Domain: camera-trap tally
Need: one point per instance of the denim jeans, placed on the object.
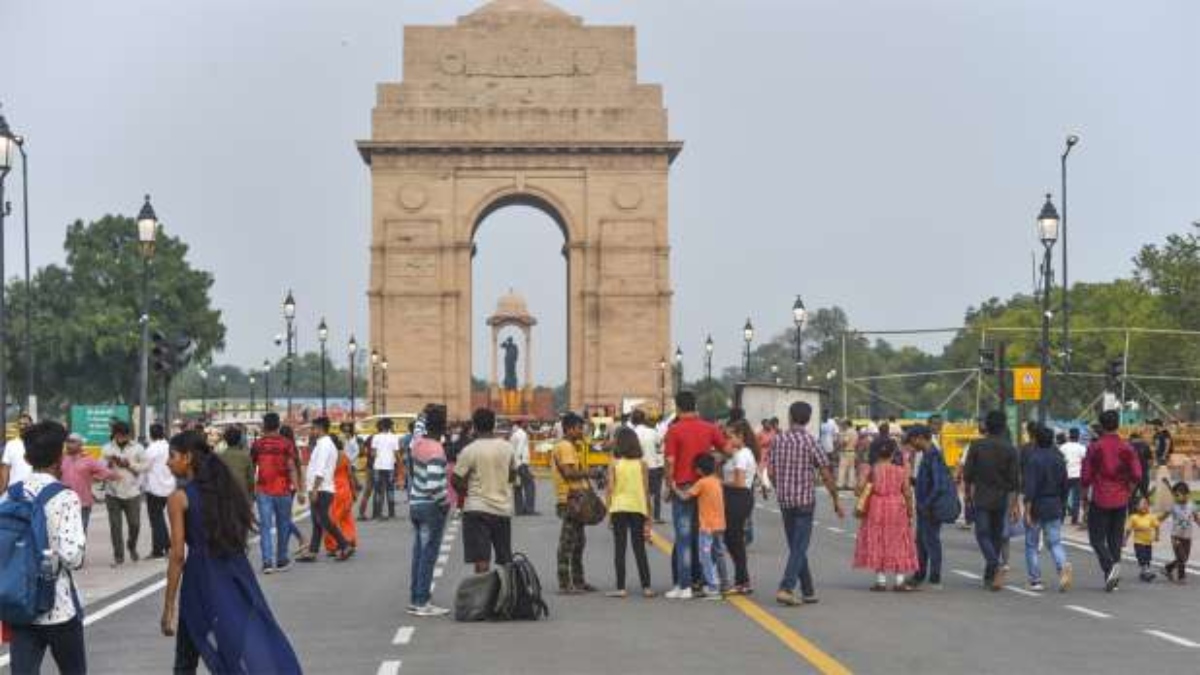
(683, 518)
(797, 526)
(929, 549)
(428, 520)
(275, 524)
(989, 533)
(1033, 535)
(385, 490)
(1074, 491)
(712, 560)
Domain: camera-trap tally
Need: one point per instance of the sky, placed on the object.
(887, 157)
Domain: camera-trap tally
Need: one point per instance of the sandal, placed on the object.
(878, 587)
(616, 594)
(649, 593)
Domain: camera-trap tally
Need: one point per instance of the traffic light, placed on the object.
(169, 356)
(987, 360)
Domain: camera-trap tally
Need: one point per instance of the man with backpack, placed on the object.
(1111, 470)
(41, 540)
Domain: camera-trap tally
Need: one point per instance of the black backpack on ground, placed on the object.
(476, 596)
(520, 594)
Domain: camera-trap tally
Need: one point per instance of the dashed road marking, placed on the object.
(403, 635)
(969, 575)
(1182, 642)
(437, 572)
(443, 559)
(1088, 612)
(389, 668)
(836, 529)
(1021, 591)
(448, 537)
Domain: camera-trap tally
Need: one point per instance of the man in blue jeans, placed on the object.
(990, 476)
(274, 458)
(933, 483)
(428, 506)
(1045, 490)
(793, 464)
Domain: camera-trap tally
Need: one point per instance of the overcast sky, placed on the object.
(888, 157)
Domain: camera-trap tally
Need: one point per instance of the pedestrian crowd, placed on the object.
(203, 501)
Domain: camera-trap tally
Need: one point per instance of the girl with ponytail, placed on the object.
(223, 616)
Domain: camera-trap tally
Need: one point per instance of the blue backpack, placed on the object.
(26, 589)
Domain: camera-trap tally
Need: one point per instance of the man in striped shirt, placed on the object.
(428, 507)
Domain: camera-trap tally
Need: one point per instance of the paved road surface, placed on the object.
(349, 618)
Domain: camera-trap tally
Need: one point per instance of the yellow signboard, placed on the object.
(1027, 384)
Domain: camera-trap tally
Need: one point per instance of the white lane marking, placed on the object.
(443, 559)
(1182, 642)
(1021, 591)
(445, 548)
(403, 635)
(121, 604)
(1088, 612)
(969, 575)
(448, 538)
(1129, 558)
(437, 572)
(836, 529)
(432, 586)
(389, 668)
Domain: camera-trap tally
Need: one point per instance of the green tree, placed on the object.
(85, 333)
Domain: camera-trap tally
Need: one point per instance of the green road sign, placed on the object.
(92, 421)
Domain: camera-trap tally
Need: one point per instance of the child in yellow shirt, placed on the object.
(1144, 527)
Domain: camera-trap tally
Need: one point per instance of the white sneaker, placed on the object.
(1114, 578)
(679, 594)
(431, 609)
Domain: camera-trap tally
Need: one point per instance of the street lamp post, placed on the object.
(147, 228)
(266, 386)
(252, 383)
(748, 337)
(1072, 140)
(322, 336)
(383, 376)
(775, 374)
(662, 388)
(678, 368)
(8, 145)
(352, 347)
(708, 354)
(203, 395)
(800, 318)
(289, 316)
(1048, 223)
(224, 395)
(374, 382)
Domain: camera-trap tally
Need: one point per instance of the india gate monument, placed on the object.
(520, 103)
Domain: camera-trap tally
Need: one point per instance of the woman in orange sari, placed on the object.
(342, 511)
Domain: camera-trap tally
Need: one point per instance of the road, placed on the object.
(349, 617)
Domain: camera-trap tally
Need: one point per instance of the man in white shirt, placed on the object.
(386, 446)
(525, 491)
(14, 468)
(651, 443)
(61, 628)
(159, 484)
(123, 494)
(828, 434)
(321, 488)
(1073, 453)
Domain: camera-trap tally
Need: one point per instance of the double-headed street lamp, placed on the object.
(800, 318)
(708, 354)
(289, 317)
(748, 337)
(322, 336)
(1047, 222)
(352, 348)
(147, 230)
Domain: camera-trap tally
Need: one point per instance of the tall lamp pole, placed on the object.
(383, 376)
(30, 398)
(352, 347)
(678, 368)
(252, 383)
(203, 395)
(224, 395)
(662, 388)
(799, 317)
(708, 354)
(747, 337)
(1047, 222)
(374, 382)
(289, 316)
(266, 386)
(322, 336)
(147, 227)
(8, 145)
(1072, 140)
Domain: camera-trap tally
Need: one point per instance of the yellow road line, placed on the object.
(824, 663)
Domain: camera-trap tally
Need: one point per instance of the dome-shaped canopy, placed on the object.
(539, 7)
(511, 309)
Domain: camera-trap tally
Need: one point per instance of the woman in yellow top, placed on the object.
(628, 507)
(1144, 526)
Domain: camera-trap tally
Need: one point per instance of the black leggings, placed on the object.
(738, 504)
(634, 524)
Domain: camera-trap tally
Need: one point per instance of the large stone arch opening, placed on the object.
(520, 103)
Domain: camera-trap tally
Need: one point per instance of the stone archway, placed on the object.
(520, 103)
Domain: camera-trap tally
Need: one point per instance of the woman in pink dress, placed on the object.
(885, 538)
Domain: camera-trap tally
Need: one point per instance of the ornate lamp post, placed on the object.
(374, 382)
(266, 386)
(147, 227)
(708, 354)
(383, 376)
(352, 348)
(8, 149)
(748, 337)
(322, 336)
(1047, 222)
(799, 317)
(289, 316)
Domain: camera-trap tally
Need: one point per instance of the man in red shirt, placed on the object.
(1111, 469)
(687, 438)
(274, 455)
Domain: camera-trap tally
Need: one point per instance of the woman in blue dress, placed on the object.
(222, 614)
